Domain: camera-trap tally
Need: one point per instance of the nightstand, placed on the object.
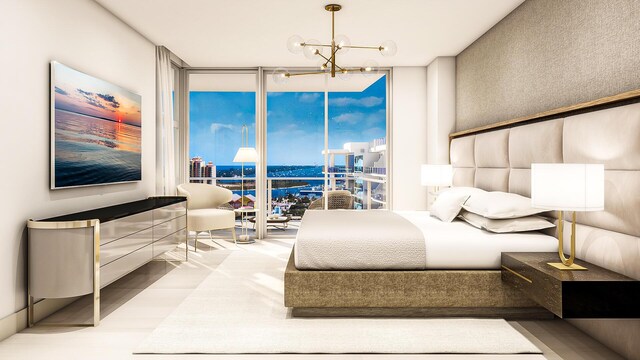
(595, 293)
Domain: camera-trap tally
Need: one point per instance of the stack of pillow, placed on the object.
(493, 211)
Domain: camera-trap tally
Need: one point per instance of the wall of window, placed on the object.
(312, 136)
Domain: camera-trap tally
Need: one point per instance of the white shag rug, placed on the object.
(239, 309)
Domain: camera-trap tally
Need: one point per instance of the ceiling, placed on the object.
(248, 83)
(248, 33)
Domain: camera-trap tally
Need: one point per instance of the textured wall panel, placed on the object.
(461, 152)
(492, 179)
(548, 54)
(464, 177)
(610, 137)
(491, 149)
(535, 143)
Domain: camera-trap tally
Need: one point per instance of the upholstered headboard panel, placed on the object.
(501, 161)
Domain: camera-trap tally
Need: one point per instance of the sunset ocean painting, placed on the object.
(97, 129)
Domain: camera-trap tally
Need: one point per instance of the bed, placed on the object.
(383, 263)
(403, 240)
(494, 159)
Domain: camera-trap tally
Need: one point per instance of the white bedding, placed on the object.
(358, 240)
(458, 245)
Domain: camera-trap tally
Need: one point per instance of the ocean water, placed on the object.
(90, 150)
(313, 189)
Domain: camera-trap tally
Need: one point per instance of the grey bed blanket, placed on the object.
(358, 240)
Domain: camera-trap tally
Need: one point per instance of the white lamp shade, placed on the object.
(246, 154)
(436, 175)
(568, 187)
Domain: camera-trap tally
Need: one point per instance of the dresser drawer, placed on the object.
(169, 242)
(124, 265)
(165, 213)
(123, 246)
(119, 228)
(169, 227)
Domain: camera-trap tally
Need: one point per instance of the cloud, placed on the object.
(90, 99)
(349, 118)
(110, 99)
(377, 118)
(308, 97)
(369, 101)
(60, 91)
(84, 93)
(215, 127)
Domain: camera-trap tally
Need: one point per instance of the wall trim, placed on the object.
(17, 321)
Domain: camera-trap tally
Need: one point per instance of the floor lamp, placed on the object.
(567, 187)
(244, 154)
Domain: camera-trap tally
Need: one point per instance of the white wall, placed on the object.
(409, 137)
(441, 109)
(83, 35)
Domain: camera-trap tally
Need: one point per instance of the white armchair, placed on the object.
(203, 214)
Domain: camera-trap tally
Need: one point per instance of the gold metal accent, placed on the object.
(561, 266)
(78, 224)
(363, 47)
(333, 7)
(566, 264)
(518, 274)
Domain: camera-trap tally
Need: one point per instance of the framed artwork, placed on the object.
(96, 130)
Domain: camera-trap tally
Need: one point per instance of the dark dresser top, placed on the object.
(118, 211)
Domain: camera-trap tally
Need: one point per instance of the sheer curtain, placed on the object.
(165, 149)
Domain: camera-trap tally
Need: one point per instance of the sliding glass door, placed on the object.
(295, 142)
(326, 136)
(220, 106)
(357, 128)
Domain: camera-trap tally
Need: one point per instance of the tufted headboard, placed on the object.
(501, 160)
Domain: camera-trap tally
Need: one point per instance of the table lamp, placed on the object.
(436, 175)
(567, 187)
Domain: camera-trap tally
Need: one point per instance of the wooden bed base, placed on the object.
(405, 293)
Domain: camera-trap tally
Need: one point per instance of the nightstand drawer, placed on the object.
(594, 293)
(540, 288)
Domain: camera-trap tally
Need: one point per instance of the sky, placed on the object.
(295, 123)
(84, 94)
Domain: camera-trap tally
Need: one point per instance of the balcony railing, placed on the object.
(363, 195)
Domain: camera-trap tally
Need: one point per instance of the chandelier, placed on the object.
(313, 49)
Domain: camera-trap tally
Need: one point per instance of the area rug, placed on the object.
(239, 309)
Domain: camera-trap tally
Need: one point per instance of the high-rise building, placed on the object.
(195, 169)
(210, 172)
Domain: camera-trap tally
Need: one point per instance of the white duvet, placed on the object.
(358, 240)
(386, 240)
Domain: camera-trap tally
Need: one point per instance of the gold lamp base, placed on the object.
(566, 264)
(561, 266)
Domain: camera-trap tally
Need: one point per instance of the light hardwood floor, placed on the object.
(134, 305)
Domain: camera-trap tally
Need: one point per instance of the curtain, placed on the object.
(165, 150)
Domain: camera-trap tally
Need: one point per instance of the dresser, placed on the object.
(78, 254)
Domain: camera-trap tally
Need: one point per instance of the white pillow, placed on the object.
(527, 223)
(463, 190)
(448, 205)
(500, 205)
